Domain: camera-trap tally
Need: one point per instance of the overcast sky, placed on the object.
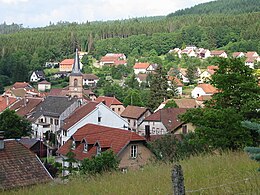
(39, 13)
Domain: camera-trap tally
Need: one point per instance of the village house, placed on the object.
(50, 114)
(203, 89)
(135, 115)
(113, 59)
(113, 103)
(90, 80)
(174, 81)
(238, 55)
(218, 53)
(51, 64)
(23, 107)
(203, 53)
(202, 99)
(22, 89)
(44, 86)
(37, 75)
(91, 140)
(164, 121)
(250, 62)
(92, 112)
(205, 76)
(19, 166)
(141, 67)
(36, 146)
(6, 102)
(67, 64)
(181, 103)
(141, 78)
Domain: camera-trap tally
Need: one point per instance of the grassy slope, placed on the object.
(234, 171)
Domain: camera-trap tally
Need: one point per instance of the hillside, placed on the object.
(229, 173)
(221, 7)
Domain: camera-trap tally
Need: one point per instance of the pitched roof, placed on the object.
(6, 101)
(107, 138)
(204, 97)
(142, 77)
(250, 60)
(108, 101)
(52, 106)
(251, 54)
(39, 73)
(44, 82)
(207, 88)
(78, 114)
(168, 116)
(28, 142)
(76, 66)
(186, 103)
(20, 167)
(58, 92)
(236, 54)
(26, 105)
(67, 62)
(134, 112)
(176, 81)
(90, 76)
(141, 65)
(217, 52)
(19, 85)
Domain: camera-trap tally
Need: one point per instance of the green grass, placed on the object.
(50, 71)
(229, 173)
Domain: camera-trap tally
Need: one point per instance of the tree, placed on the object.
(219, 128)
(13, 125)
(132, 82)
(133, 98)
(191, 73)
(237, 87)
(171, 104)
(158, 87)
(105, 162)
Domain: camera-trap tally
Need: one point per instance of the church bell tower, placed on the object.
(76, 79)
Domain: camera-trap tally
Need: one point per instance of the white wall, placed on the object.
(108, 118)
(137, 71)
(196, 92)
(156, 128)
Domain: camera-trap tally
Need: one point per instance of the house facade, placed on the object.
(37, 75)
(141, 68)
(44, 86)
(94, 113)
(90, 80)
(113, 59)
(203, 89)
(135, 116)
(113, 103)
(91, 140)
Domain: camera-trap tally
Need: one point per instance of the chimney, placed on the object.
(2, 144)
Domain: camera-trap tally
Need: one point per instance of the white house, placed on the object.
(44, 85)
(250, 62)
(95, 113)
(219, 53)
(141, 67)
(203, 89)
(90, 80)
(175, 82)
(37, 76)
(238, 55)
(203, 53)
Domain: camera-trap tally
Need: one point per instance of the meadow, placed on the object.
(227, 173)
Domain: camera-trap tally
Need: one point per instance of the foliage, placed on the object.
(13, 125)
(133, 98)
(237, 87)
(71, 168)
(171, 104)
(105, 162)
(219, 128)
(254, 152)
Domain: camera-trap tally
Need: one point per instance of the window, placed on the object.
(51, 121)
(113, 109)
(56, 121)
(85, 147)
(134, 123)
(98, 150)
(184, 129)
(73, 145)
(99, 119)
(75, 82)
(133, 151)
(119, 109)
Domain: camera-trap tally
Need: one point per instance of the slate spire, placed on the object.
(76, 65)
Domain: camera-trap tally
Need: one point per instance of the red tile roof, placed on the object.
(20, 167)
(236, 54)
(140, 65)
(168, 116)
(44, 82)
(108, 101)
(251, 54)
(176, 81)
(78, 114)
(212, 68)
(204, 97)
(26, 105)
(107, 138)
(217, 52)
(134, 112)
(142, 77)
(6, 101)
(186, 103)
(19, 85)
(67, 62)
(207, 88)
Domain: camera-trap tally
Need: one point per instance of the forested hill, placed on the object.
(221, 7)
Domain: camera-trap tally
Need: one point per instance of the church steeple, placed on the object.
(76, 65)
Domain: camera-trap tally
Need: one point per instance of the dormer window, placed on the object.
(73, 145)
(86, 147)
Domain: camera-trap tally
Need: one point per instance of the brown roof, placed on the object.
(176, 81)
(78, 114)
(236, 54)
(140, 65)
(250, 60)
(106, 137)
(90, 76)
(186, 103)
(134, 112)
(204, 97)
(108, 101)
(142, 77)
(26, 105)
(58, 92)
(207, 88)
(217, 52)
(6, 101)
(19, 85)
(251, 54)
(20, 167)
(168, 116)
(44, 82)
